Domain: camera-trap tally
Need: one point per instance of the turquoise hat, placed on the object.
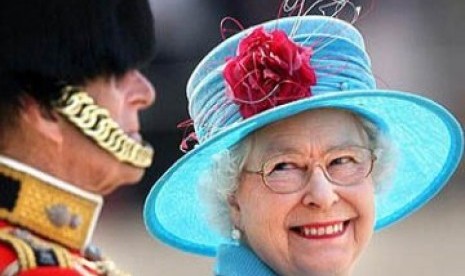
(428, 138)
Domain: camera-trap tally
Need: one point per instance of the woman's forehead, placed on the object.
(318, 129)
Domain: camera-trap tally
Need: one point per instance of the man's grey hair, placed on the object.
(222, 179)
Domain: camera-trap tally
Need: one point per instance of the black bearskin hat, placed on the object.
(45, 44)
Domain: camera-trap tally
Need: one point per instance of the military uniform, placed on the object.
(46, 225)
(55, 57)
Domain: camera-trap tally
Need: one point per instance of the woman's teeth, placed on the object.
(321, 231)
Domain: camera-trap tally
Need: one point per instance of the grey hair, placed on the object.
(221, 180)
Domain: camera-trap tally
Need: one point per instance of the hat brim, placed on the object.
(428, 138)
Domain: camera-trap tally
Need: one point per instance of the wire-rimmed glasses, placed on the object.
(343, 166)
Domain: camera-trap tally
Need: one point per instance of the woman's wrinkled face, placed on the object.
(320, 229)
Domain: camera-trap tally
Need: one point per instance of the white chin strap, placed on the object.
(95, 122)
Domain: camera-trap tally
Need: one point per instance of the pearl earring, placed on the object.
(235, 234)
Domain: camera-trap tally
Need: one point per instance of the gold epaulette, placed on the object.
(47, 206)
(62, 216)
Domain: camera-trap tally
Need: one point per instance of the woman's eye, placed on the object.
(342, 161)
(284, 166)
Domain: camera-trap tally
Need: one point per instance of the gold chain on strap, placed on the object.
(80, 109)
(24, 243)
(23, 251)
(11, 270)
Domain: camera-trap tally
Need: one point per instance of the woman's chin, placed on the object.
(308, 266)
(322, 255)
(333, 265)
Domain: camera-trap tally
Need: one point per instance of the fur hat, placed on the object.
(47, 44)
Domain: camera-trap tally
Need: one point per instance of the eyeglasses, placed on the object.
(289, 173)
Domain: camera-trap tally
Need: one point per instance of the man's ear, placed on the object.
(44, 121)
(235, 211)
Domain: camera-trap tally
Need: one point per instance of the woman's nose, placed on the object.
(319, 192)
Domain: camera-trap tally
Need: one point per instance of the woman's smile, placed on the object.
(327, 230)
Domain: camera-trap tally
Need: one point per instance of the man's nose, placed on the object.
(319, 192)
(142, 93)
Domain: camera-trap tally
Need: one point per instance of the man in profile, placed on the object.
(70, 93)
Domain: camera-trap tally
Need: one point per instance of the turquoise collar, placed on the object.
(239, 260)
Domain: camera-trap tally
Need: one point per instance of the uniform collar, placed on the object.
(235, 259)
(46, 205)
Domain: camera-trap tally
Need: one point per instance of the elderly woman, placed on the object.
(300, 156)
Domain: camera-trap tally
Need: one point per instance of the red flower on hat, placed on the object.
(269, 70)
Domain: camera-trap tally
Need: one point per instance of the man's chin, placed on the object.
(129, 176)
(134, 175)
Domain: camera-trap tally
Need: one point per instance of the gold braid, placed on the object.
(80, 109)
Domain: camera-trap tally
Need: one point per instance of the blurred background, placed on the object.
(415, 45)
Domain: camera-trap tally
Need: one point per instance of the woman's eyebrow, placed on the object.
(278, 147)
(346, 144)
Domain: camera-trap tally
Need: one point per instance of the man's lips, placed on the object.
(135, 135)
(321, 230)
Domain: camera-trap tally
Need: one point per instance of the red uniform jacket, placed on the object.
(45, 224)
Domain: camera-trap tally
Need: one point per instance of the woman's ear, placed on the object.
(43, 120)
(235, 211)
